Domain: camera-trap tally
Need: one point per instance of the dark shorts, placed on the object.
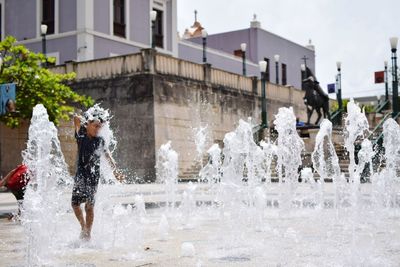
(83, 194)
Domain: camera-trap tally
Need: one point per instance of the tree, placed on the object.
(36, 84)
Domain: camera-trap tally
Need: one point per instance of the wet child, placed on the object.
(16, 181)
(90, 148)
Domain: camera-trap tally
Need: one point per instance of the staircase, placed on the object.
(376, 137)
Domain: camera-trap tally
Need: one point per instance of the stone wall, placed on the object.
(12, 142)
(130, 100)
(181, 106)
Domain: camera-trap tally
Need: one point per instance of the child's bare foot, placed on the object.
(85, 235)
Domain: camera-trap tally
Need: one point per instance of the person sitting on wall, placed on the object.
(299, 123)
(10, 106)
(16, 181)
(90, 148)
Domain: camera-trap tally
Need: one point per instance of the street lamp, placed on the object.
(243, 48)
(395, 89)
(43, 31)
(204, 35)
(263, 69)
(386, 81)
(276, 69)
(153, 16)
(303, 75)
(339, 84)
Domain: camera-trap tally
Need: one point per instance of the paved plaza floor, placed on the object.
(212, 236)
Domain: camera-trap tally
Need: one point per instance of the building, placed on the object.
(261, 45)
(82, 30)
(89, 29)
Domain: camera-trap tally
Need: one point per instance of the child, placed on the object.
(90, 148)
(16, 181)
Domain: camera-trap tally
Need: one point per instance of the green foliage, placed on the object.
(335, 105)
(369, 108)
(36, 84)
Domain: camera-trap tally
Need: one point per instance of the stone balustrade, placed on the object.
(150, 61)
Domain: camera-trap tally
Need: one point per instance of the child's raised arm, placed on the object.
(118, 175)
(77, 123)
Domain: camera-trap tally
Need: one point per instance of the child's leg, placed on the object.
(79, 215)
(89, 209)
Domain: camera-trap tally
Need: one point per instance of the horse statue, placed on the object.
(315, 98)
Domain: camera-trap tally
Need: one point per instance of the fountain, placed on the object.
(235, 214)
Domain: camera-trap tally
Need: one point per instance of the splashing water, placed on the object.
(238, 154)
(43, 203)
(356, 125)
(200, 139)
(51, 230)
(290, 145)
(247, 214)
(211, 172)
(324, 157)
(167, 170)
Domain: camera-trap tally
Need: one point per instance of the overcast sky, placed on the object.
(355, 32)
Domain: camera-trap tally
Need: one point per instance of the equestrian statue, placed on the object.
(315, 98)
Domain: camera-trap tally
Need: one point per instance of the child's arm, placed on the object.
(119, 176)
(111, 161)
(77, 123)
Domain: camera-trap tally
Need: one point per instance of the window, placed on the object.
(158, 31)
(48, 15)
(267, 73)
(284, 74)
(119, 18)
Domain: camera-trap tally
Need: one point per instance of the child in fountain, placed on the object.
(90, 147)
(16, 181)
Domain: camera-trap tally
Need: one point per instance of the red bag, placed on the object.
(19, 179)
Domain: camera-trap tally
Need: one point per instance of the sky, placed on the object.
(355, 32)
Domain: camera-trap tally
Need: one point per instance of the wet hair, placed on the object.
(96, 113)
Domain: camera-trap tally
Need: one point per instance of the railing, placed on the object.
(150, 61)
(231, 80)
(379, 139)
(100, 68)
(281, 93)
(382, 106)
(173, 66)
(336, 117)
(60, 69)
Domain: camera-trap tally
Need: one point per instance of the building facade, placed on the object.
(89, 29)
(260, 45)
(82, 30)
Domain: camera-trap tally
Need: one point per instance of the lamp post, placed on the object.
(263, 69)
(43, 31)
(204, 35)
(386, 81)
(276, 69)
(153, 16)
(303, 75)
(243, 48)
(395, 89)
(339, 84)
